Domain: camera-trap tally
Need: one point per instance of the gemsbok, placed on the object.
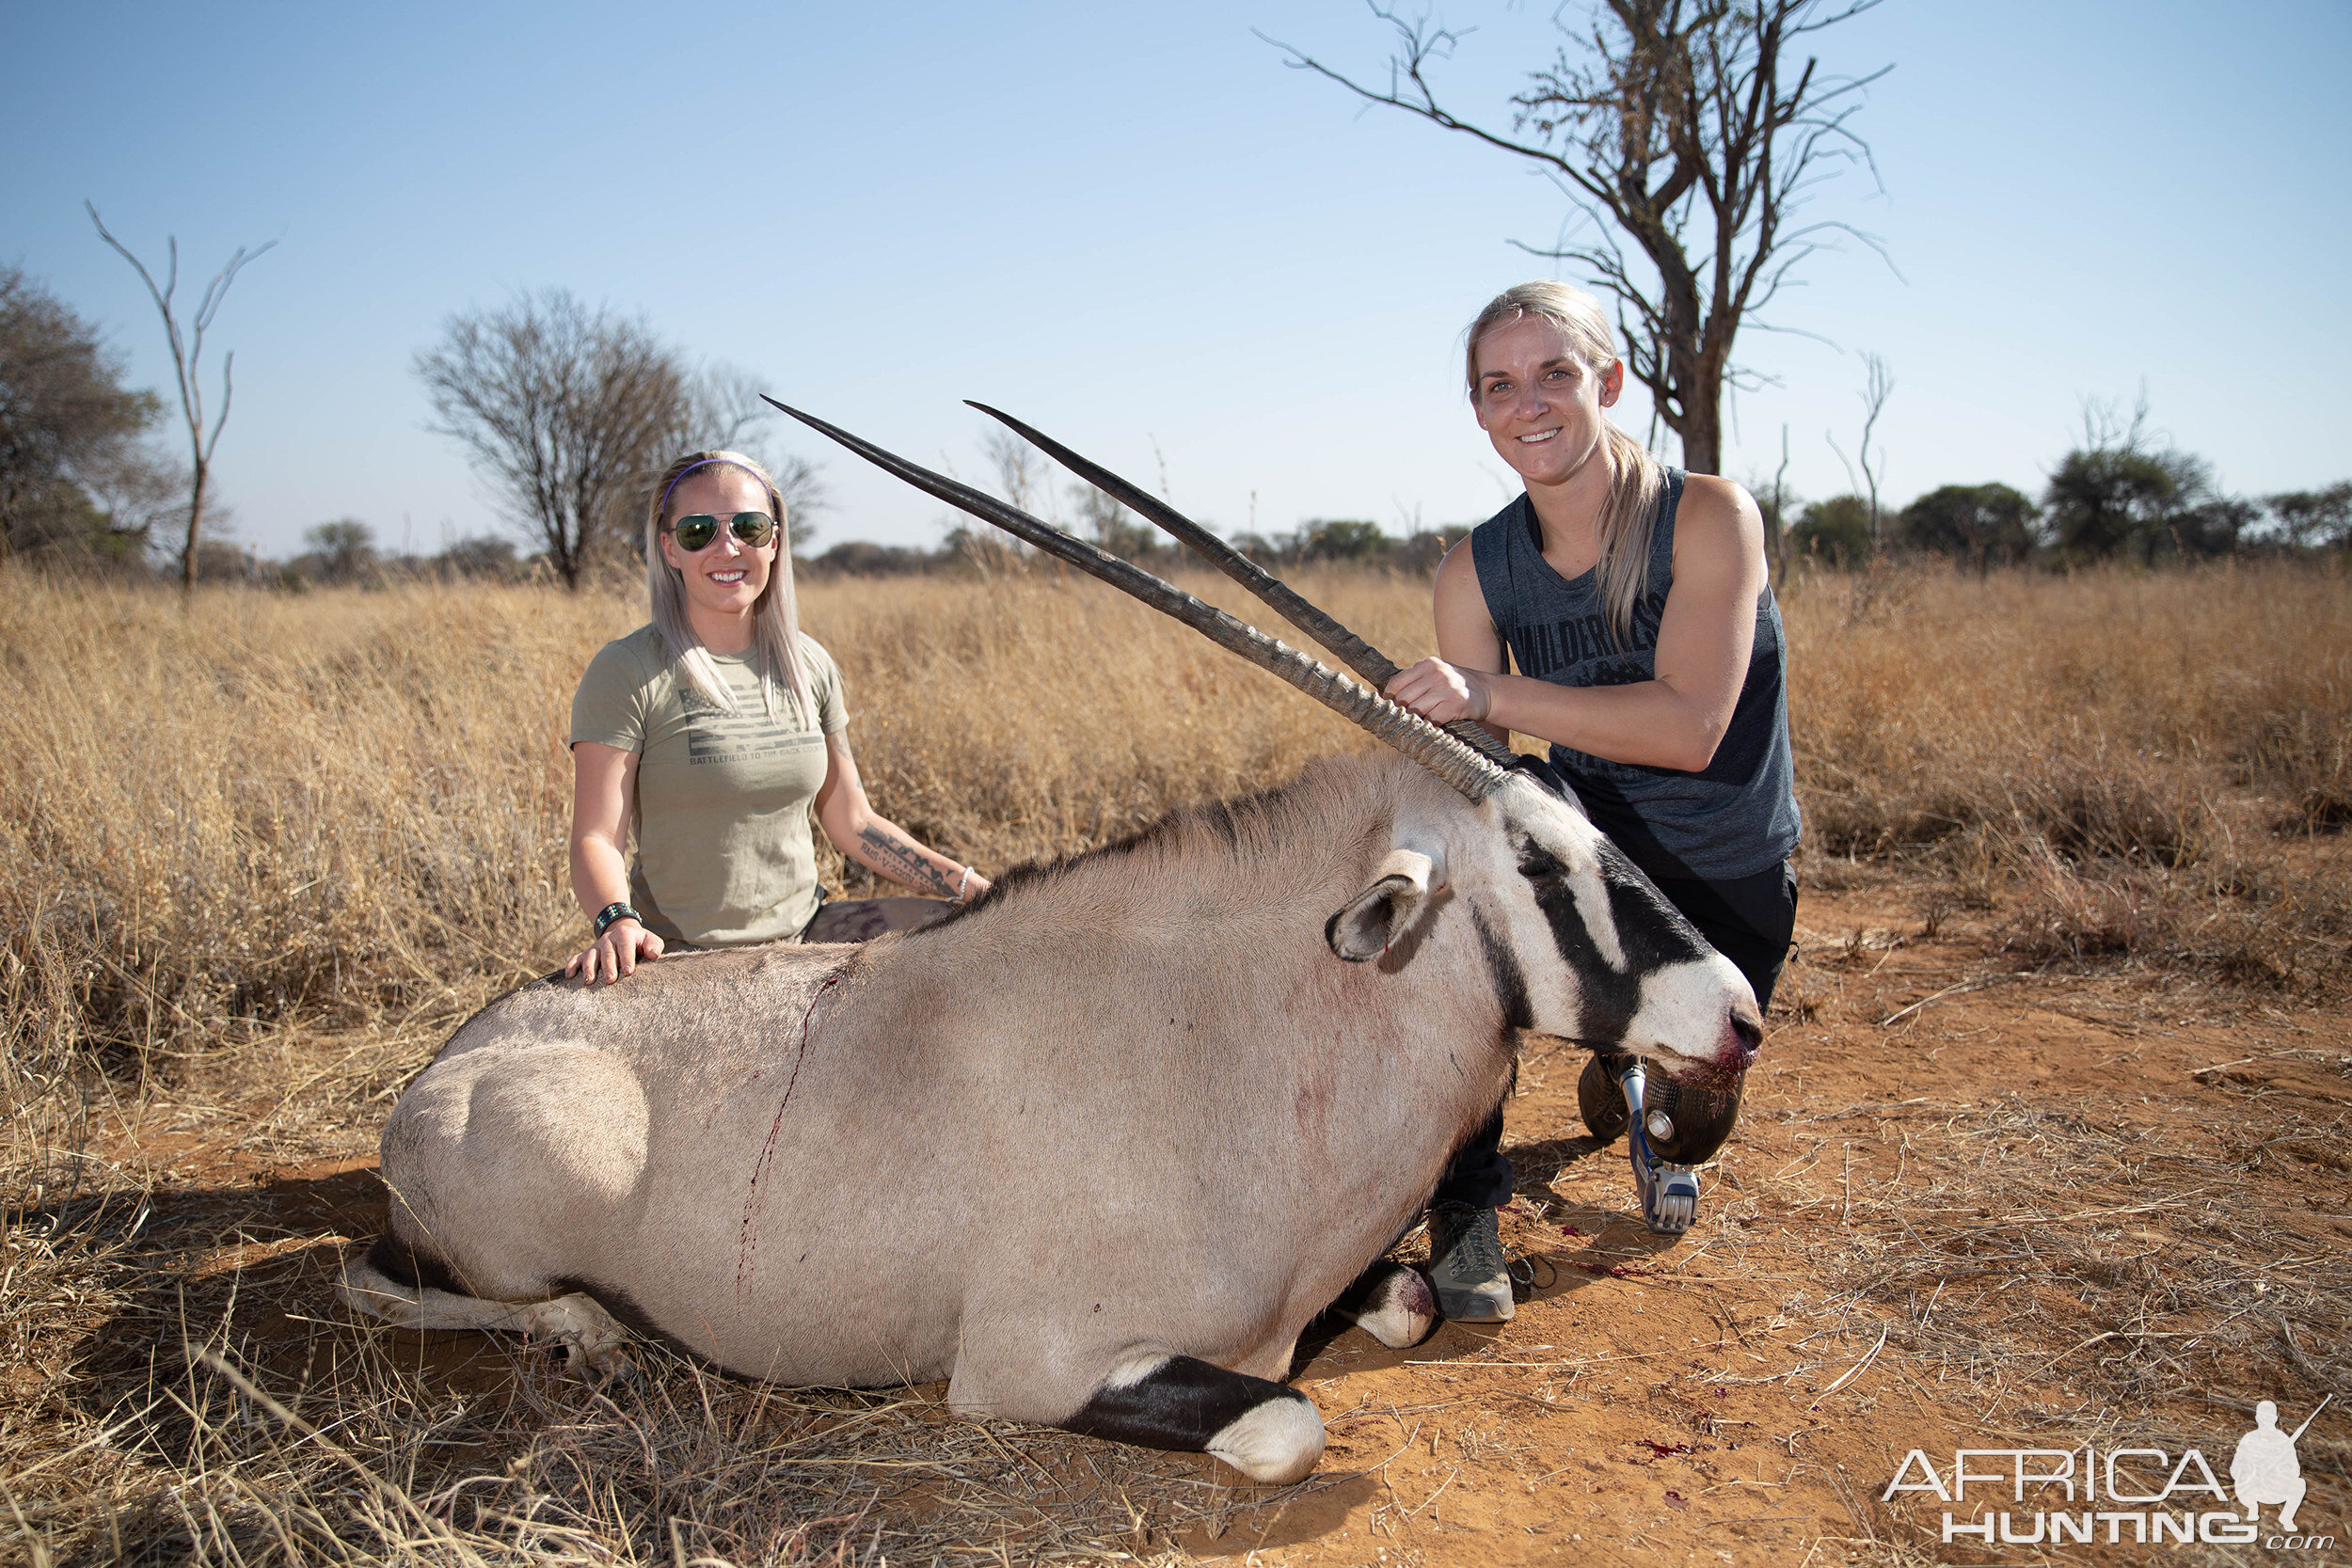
(1094, 1148)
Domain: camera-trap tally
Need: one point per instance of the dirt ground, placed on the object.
(1953, 1219)
(1972, 1207)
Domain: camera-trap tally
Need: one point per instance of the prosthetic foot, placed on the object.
(1669, 1192)
(1675, 1128)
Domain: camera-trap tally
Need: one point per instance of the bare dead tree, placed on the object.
(565, 410)
(187, 357)
(1878, 386)
(1105, 519)
(801, 483)
(1690, 128)
(723, 407)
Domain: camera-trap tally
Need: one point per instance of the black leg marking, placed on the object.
(1268, 1433)
(405, 1266)
(1181, 1403)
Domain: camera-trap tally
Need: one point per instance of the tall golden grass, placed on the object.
(350, 805)
(2158, 765)
(346, 812)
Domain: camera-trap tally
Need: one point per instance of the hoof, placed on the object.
(592, 1340)
(608, 1363)
(1402, 1313)
(1274, 1443)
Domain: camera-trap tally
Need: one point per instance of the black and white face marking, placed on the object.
(1646, 983)
(1612, 929)
(1502, 967)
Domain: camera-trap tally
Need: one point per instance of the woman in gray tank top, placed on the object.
(1635, 603)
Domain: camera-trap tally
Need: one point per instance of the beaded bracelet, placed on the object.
(611, 913)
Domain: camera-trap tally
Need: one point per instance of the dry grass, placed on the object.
(259, 855)
(202, 1425)
(2159, 763)
(269, 818)
(2091, 1233)
(348, 807)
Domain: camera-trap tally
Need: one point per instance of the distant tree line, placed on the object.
(344, 553)
(1021, 477)
(568, 411)
(1321, 540)
(2118, 495)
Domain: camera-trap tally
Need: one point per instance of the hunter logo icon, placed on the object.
(2266, 1467)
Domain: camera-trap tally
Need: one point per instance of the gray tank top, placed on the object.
(1738, 818)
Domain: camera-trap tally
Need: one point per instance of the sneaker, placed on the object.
(1466, 1265)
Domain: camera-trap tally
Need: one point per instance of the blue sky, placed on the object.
(1137, 229)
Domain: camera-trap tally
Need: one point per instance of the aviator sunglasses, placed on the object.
(752, 529)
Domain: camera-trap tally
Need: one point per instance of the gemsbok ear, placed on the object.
(1363, 928)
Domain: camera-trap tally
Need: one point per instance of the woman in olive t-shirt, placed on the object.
(710, 731)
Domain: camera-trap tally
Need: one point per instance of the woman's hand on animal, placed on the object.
(1442, 693)
(624, 945)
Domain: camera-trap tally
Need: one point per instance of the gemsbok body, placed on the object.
(1095, 1149)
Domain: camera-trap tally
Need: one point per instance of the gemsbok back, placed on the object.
(1095, 1149)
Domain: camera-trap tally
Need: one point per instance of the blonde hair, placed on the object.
(775, 618)
(1629, 516)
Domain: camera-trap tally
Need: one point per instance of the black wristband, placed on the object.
(611, 913)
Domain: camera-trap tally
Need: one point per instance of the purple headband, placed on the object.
(705, 464)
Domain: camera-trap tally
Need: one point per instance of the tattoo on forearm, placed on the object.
(902, 862)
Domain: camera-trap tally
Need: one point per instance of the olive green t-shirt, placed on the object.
(721, 817)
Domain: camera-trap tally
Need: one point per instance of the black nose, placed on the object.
(1751, 1033)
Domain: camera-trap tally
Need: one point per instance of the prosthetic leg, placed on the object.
(1673, 1132)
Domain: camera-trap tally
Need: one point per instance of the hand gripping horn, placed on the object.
(1410, 733)
(1278, 595)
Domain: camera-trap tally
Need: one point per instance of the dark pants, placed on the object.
(864, 919)
(1748, 920)
(853, 920)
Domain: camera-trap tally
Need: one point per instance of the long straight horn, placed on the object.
(1279, 596)
(1410, 733)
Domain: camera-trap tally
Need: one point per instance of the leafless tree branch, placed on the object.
(187, 357)
(1690, 128)
(1878, 386)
